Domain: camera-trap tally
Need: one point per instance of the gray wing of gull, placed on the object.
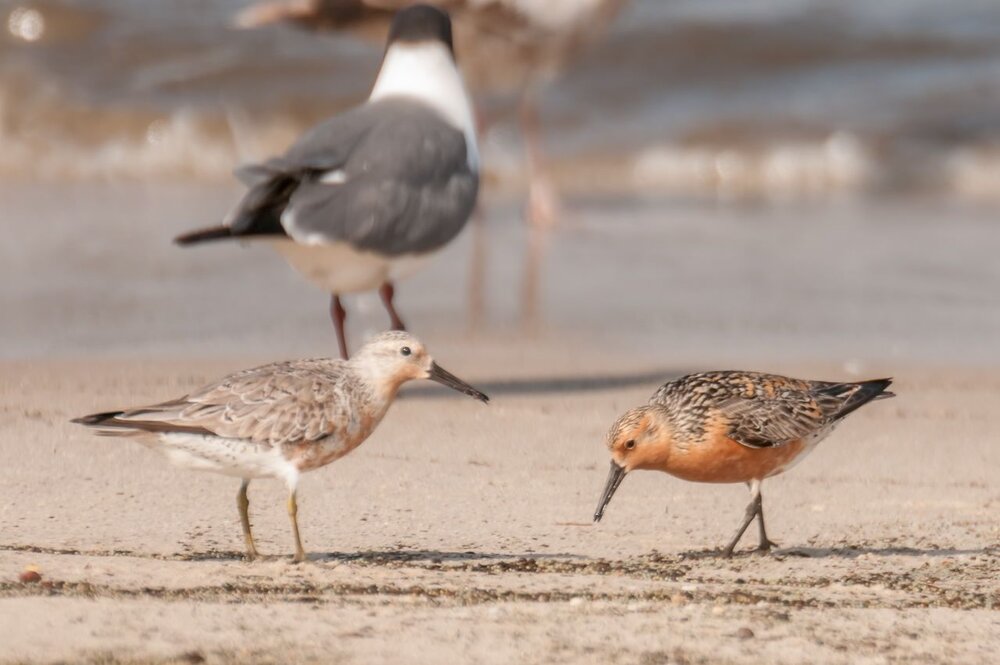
(279, 404)
(403, 182)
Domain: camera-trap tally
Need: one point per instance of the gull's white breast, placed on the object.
(340, 268)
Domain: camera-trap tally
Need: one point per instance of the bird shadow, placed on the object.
(385, 557)
(850, 552)
(433, 556)
(846, 552)
(561, 384)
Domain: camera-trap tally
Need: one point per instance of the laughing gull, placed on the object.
(509, 48)
(361, 200)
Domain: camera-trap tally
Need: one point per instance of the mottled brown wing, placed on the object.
(761, 410)
(778, 410)
(764, 422)
(276, 404)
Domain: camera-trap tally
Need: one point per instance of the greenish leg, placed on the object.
(244, 504)
(293, 511)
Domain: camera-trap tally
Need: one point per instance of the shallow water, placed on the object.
(866, 287)
(776, 99)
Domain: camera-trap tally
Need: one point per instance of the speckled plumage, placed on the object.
(760, 410)
(282, 419)
(731, 426)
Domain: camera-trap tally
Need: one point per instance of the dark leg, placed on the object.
(753, 509)
(387, 291)
(747, 518)
(764, 544)
(243, 504)
(339, 315)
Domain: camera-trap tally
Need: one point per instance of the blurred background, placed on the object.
(734, 181)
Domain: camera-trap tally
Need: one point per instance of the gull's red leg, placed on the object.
(339, 315)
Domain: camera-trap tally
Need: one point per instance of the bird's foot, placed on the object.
(767, 545)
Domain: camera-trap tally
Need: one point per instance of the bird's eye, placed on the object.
(405, 351)
(630, 444)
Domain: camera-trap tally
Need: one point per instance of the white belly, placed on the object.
(809, 444)
(229, 457)
(340, 268)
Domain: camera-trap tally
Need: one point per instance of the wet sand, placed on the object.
(461, 532)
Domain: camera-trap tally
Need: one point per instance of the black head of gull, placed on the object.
(359, 200)
(421, 23)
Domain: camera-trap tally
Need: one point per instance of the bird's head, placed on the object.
(637, 440)
(420, 23)
(397, 356)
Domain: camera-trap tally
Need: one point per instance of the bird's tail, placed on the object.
(105, 423)
(859, 394)
(203, 235)
(97, 419)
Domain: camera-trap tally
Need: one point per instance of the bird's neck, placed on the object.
(384, 384)
(426, 72)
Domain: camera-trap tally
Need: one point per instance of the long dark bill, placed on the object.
(446, 378)
(615, 477)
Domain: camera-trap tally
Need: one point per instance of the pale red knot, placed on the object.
(283, 419)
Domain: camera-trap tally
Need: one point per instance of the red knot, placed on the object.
(283, 419)
(731, 427)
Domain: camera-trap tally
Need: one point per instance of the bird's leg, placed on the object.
(477, 271)
(339, 315)
(542, 211)
(531, 282)
(543, 200)
(387, 291)
(753, 509)
(764, 545)
(244, 504)
(293, 512)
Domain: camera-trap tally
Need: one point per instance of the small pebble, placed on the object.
(30, 577)
(744, 633)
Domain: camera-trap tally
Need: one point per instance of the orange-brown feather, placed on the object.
(716, 458)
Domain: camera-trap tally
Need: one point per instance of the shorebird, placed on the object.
(731, 427)
(509, 49)
(363, 199)
(281, 420)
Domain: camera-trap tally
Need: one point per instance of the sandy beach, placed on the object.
(790, 186)
(461, 532)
